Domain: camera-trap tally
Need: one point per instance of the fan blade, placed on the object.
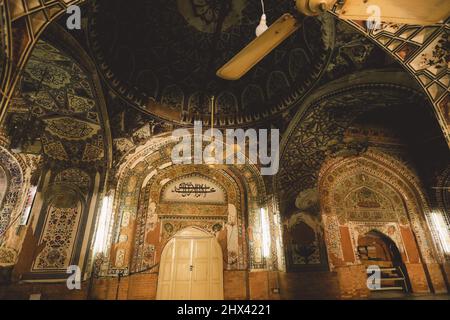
(422, 12)
(256, 50)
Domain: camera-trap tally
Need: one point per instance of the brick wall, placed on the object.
(134, 287)
(48, 291)
(262, 285)
(143, 287)
(446, 274)
(104, 289)
(235, 284)
(417, 277)
(347, 282)
(309, 285)
(352, 281)
(259, 284)
(437, 278)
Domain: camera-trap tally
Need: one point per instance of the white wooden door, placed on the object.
(191, 268)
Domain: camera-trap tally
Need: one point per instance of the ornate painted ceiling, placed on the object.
(26, 20)
(57, 91)
(323, 118)
(162, 57)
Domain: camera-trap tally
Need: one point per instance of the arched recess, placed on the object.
(223, 213)
(377, 248)
(200, 250)
(320, 123)
(76, 143)
(385, 249)
(142, 221)
(63, 212)
(142, 177)
(376, 192)
(325, 115)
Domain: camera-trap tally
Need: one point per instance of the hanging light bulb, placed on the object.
(262, 27)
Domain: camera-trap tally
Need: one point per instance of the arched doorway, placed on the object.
(191, 267)
(153, 203)
(375, 248)
(377, 192)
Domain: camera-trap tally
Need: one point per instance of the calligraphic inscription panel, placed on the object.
(194, 189)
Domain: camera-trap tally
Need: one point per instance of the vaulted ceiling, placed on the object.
(161, 56)
(318, 129)
(421, 50)
(158, 61)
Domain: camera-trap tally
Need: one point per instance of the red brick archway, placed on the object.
(374, 192)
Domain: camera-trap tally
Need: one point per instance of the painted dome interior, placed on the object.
(162, 56)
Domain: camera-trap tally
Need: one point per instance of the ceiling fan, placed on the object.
(421, 12)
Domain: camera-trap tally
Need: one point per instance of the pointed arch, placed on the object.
(406, 222)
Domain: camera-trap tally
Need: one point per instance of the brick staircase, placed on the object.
(392, 279)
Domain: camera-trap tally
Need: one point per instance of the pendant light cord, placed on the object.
(212, 114)
(263, 7)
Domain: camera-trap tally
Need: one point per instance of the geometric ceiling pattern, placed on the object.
(56, 90)
(419, 50)
(169, 71)
(424, 51)
(317, 130)
(21, 24)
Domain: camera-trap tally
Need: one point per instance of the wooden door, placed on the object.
(191, 268)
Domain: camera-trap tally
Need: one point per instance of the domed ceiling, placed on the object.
(162, 55)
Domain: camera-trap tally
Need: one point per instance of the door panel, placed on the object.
(183, 249)
(201, 274)
(200, 291)
(202, 248)
(200, 270)
(165, 273)
(164, 291)
(215, 270)
(182, 274)
(191, 268)
(182, 271)
(181, 290)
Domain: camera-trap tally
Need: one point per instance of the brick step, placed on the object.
(388, 289)
(388, 269)
(391, 276)
(392, 279)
